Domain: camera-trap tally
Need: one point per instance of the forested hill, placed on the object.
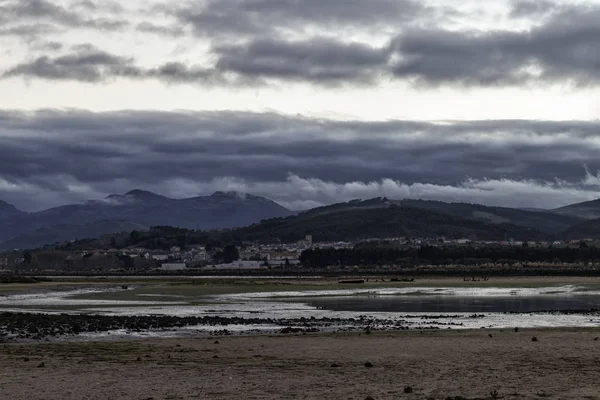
(377, 218)
(587, 209)
(377, 202)
(540, 220)
(587, 230)
(389, 220)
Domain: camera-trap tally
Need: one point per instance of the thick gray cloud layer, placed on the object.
(71, 155)
(567, 47)
(259, 41)
(317, 60)
(53, 157)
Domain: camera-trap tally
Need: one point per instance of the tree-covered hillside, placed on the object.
(340, 223)
(540, 220)
(378, 222)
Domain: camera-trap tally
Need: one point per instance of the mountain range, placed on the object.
(137, 208)
(257, 218)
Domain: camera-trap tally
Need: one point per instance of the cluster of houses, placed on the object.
(443, 241)
(265, 256)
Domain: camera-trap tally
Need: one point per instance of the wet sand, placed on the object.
(562, 364)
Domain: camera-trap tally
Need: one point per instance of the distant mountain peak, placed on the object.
(141, 193)
(5, 205)
(9, 209)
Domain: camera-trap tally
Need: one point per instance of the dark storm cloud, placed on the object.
(565, 48)
(322, 61)
(311, 42)
(315, 60)
(57, 151)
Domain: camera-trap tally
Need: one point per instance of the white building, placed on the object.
(308, 239)
(240, 264)
(173, 266)
(281, 263)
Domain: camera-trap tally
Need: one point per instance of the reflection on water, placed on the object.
(451, 304)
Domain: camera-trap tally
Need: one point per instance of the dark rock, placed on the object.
(534, 339)
(408, 389)
(289, 329)
(368, 365)
(41, 365)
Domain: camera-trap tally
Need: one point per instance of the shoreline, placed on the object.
(454, 271)
(473, 364)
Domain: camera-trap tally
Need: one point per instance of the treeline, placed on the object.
(431, 255)
(157, 238)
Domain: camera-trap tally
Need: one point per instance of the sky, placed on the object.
(306, 102)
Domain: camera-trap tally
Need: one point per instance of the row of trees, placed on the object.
(66, 261)
(431, 255)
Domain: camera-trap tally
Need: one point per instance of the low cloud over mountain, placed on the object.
(52, 157)
(306, 102)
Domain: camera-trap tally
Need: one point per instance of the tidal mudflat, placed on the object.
(107, 309)
(300, 339)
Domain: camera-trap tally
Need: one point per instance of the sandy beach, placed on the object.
(561, 364)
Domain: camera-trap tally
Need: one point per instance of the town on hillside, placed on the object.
(252, 256)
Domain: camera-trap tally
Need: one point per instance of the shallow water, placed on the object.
(452, 304)
(418, 307)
